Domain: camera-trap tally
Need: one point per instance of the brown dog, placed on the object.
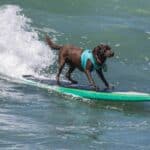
(71, 55)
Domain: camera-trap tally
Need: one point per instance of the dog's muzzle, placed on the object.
(110, 54)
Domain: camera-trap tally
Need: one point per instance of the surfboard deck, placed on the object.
(83, 91)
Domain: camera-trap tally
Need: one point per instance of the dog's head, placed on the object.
(101, 52)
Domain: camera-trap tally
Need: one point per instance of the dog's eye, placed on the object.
(103, 51)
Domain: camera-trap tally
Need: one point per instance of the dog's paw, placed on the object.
(94, 88)
(58, 83)
(74, 82)
(111, 87)
(97, 88)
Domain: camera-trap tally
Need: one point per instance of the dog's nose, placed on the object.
(112, 54)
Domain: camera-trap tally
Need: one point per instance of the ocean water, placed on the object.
(32, 118)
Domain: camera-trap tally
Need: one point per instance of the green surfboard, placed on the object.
(83, 91)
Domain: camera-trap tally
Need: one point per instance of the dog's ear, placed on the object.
(95, 50)
(102, 48)
(96, 53)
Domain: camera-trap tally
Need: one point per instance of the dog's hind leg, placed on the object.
(61, 66)
(68, 74)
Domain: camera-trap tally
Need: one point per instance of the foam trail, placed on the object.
(21, 51)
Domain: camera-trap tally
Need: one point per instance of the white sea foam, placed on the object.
(21, 51)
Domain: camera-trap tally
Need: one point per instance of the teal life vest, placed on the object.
(88, 55)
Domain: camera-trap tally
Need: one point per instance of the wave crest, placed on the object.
(21, 51)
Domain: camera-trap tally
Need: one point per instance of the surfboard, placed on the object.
(83, 91)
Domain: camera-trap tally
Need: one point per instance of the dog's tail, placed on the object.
(51, 44)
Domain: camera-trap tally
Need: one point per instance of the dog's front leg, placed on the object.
(101, 75)
(88, 74)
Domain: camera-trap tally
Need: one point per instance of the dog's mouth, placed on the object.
(109, 54)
